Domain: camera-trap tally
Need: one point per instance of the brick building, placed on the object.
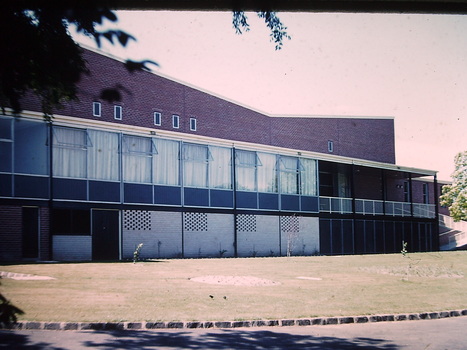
(190, 174)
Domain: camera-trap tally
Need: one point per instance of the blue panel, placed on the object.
(69, 189)
(247, 200)
(221, 199)
(197, 196)
(310, 204)
(104, 191)
(31, 186)
(269, 201)
(5, 185)
(290, 202)
(138, 193)
(167, 195)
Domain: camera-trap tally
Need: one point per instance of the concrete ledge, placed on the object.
(316, 321)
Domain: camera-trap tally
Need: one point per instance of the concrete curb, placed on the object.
(315, 321)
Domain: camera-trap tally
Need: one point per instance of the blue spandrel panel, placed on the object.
(69, 189)
(310, 204)
(5, 185)
(31, 187)
(247, 200)
(269, 201)
(198, 197)
(221, 199)
(167, 195)
(137, 193)
(104, 191)
(290, 202)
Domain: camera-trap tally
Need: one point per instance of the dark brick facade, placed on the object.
(144, 93)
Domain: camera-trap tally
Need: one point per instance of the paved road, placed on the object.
(450, 333)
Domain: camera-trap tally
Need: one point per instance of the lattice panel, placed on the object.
(246, 223)
(195, 221)
(290, 224)
(137, 220)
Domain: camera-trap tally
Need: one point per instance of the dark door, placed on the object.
(30, 227)
(105, 234)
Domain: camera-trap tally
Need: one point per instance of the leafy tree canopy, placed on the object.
(40, 56)
(455, 195)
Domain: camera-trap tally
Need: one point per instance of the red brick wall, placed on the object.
(144, 93)
(10, 233)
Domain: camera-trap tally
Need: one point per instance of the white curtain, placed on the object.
(267, 175)
(308, 177)
(137, 159)
(246, 170)
(195, 165)
(69, 153)
(220, 174)
(289, 175)
(166, 163)
(103, 156)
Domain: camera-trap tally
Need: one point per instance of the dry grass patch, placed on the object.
(300, 287)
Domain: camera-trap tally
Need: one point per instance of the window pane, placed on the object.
(267, 178)
(103, 156)
(195, 170)
(166, 163)
(31, 150)
(5, 128)
(137, 159)
(220, 173)
(289, 175)
(308, 177)
(69, 154)
(246, 162)
(5, 156)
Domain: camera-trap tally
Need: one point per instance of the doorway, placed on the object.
(105, 235)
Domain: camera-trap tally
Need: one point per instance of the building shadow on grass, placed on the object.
(216, 339)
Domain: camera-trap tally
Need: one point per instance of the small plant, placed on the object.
(222, 252)
(137, 253)
(404, 249)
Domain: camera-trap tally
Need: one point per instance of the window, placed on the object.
(103, 157)
(118, 112)
(220, 168)
(166, 163)
(6, 142)
(193, 124)
(406, 191)
(175, 121)
(71, 222)
(157, 118)
(31, 149)
(266, 173)
(330, 146)
(195, 165)
(137, 158)
(290, 168)
(426, 196)
(96, 109)
(247, 163)
(309, 183)
(69, 153)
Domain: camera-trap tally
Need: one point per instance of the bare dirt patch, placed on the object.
(235, 281)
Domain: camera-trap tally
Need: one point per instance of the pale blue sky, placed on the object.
(410, 67)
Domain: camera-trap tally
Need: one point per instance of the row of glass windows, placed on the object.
(110, 156)
(118, 113)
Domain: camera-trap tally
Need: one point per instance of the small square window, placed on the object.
(96, 109)
(157, 118)
(118, 112)
(330, 146)
(175, 121)
(193, 124)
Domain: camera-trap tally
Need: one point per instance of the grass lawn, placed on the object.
(162, 290)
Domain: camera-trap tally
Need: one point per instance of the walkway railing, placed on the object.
(456, 236)
(376, 207)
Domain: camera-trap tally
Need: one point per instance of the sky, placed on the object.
(412, 68)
